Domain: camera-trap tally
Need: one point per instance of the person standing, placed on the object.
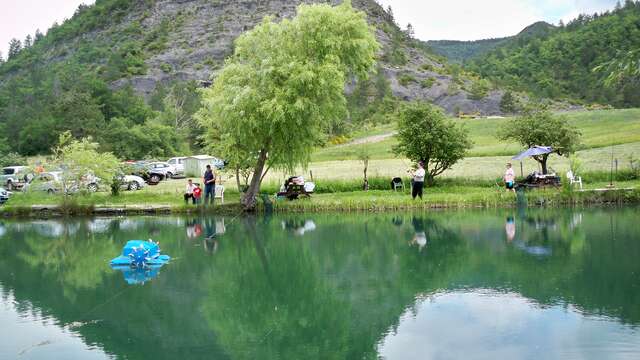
(418, 181)
(188, 192)
(209, 186)
(510, 178)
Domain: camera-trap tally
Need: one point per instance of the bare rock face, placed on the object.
(197, 48)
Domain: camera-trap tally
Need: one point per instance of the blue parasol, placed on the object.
(536, 150)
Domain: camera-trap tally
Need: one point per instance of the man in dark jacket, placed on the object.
(209, 185)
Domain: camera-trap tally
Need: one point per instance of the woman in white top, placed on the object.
(418, 181)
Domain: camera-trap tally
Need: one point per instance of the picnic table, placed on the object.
(295, 187)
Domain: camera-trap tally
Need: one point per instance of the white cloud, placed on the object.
(489, 325)
(21, 18)
(473, 19)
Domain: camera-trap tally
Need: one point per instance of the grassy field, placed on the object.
(472, 182)
(599, 129)
(486, 167)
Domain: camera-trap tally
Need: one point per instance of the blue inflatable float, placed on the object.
(140, 253)
(140, 261)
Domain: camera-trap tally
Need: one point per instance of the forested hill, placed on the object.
(127, 71)
(461, 51)
(561, 64)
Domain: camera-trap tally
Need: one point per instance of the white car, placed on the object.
(132, 182)
(13, 177)
(178, 164)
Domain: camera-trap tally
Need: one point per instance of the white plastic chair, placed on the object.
(574, 179)
(219, 193)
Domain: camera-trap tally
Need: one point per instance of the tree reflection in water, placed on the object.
(333, 293)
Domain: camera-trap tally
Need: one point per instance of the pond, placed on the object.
(516, 284)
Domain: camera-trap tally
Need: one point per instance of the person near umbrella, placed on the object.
(510, 178)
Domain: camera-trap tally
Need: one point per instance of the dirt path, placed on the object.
(369, 139)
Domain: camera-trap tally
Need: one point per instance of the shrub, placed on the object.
(427, 83)
(406, 79)
(479, 89)
(12, 159)
(167, 68)
(426, 67)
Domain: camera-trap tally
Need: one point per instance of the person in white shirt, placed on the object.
(510, 178)
(418, 181)
(188, 192)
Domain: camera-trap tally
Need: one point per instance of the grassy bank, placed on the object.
(331, 195)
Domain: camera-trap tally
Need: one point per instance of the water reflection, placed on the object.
(358, 286)
(485, 324)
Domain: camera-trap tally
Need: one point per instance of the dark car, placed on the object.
(144, 169)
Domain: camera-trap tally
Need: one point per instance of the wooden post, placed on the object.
(521, 170)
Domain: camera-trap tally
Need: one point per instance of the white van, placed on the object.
(178, 164)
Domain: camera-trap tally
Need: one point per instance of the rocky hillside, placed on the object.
(151, 42)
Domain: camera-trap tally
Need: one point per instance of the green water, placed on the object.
(445, 285)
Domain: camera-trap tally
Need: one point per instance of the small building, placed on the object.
(194, 166)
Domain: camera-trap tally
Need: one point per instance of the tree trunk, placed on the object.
(249, 199)
(238, 180)
(543, 163)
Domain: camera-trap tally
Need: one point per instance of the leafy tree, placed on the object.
(38, 36)
(479, 89)
(540, 127)
(410, 32)
(139, 141)
(80, 158)
(509, 103)
(1, 58)
(28, 41)
(285, 84)
(178, 107)
(624, 67)
(425, 134)
(15, 46)
(12, 159)
(364, 155)
(79, 113)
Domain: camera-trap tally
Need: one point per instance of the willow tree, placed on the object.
(284, 85)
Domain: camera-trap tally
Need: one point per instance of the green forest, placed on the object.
(41, 98)
(560, 64)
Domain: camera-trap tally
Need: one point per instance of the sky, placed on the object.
(431, 19)
(483, 19)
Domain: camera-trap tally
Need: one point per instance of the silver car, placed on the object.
(51, 183)
(163, 168)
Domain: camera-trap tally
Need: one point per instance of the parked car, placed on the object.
(219, 163)
(14, 177)
(4, 195)
(178, 164)
(151, 175)
(51, 182)
(163, 168)
(131, 182)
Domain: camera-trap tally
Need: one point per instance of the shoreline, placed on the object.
(363, 204)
